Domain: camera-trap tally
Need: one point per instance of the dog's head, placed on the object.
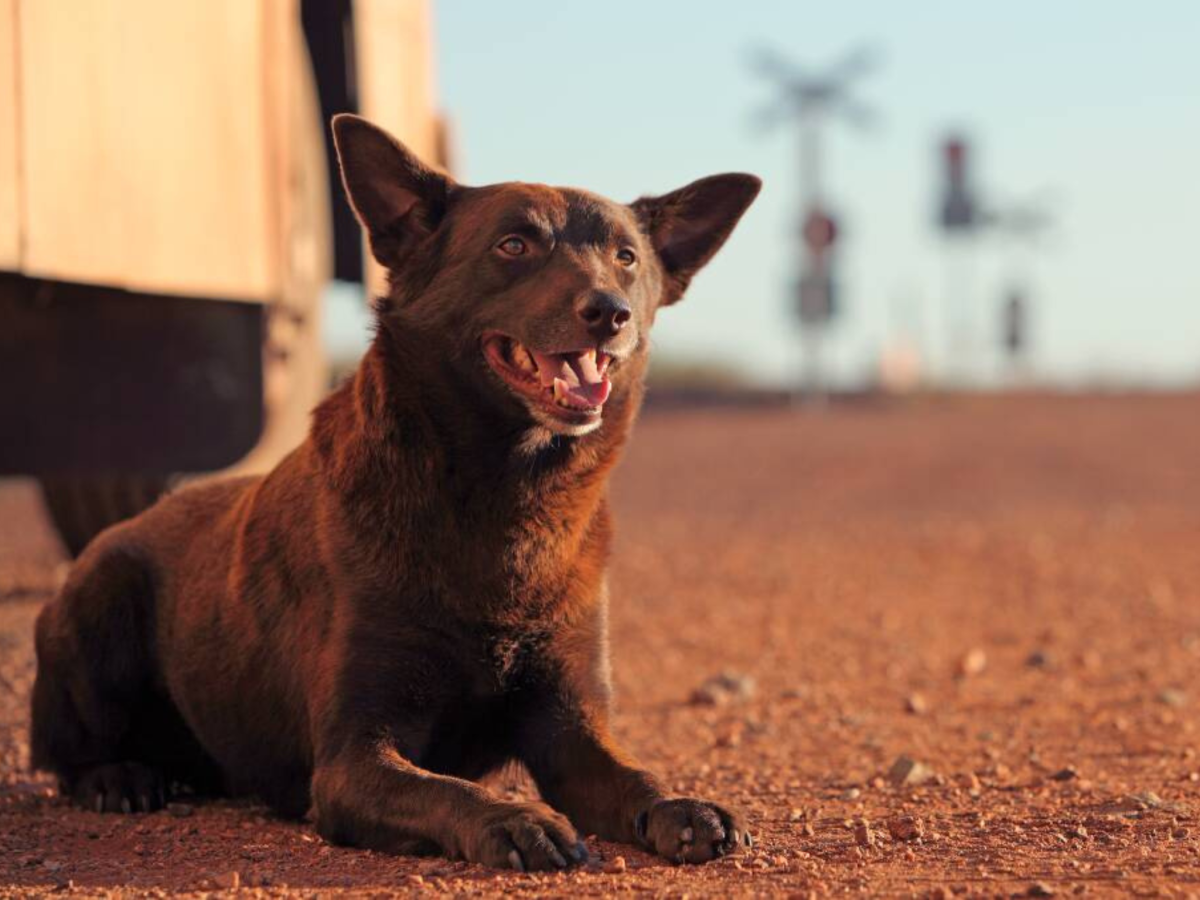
(545, 295)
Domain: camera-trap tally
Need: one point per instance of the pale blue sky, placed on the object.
(1097, 101)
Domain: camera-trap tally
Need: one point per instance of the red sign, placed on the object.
(820, 231)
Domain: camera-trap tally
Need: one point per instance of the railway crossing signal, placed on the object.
(810, 100)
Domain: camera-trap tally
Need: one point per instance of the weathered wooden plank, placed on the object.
(143, 146)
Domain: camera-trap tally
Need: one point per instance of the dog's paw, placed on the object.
(691, 831)
(528, 837)
(120, 787)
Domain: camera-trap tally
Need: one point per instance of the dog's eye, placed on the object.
(512, 246)
(626, 257)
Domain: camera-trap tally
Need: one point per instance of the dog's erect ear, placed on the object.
(398, 198)
(689, 225)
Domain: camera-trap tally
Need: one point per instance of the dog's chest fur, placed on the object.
(489, 535)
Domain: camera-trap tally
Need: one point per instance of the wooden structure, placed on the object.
(177, 151)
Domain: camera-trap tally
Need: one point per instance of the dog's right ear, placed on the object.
(398, 198)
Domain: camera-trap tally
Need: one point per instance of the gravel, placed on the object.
(843, 560)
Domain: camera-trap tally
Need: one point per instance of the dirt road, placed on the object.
(962, 646)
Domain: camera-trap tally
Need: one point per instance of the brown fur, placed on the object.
(415, 596)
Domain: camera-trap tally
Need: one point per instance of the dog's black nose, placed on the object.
(605, 313)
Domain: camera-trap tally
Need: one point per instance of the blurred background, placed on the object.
(959, 199)
(909, 525)
(1076, 125)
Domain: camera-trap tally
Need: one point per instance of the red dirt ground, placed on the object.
(1005, 591)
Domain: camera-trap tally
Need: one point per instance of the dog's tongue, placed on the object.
(582, 381)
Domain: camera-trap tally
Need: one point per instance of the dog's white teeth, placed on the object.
(560, 392)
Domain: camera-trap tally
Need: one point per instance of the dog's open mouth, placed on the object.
(571, 385)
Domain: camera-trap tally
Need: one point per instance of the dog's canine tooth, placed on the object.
(523, 359)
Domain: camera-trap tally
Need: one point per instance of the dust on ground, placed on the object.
(945, 648)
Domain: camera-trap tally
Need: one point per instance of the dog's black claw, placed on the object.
(581, 852)
(640, 824)
(128, 787)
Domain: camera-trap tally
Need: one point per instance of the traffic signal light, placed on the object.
(958, 212)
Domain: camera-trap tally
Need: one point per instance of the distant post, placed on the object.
(959, 218)
(1014, 331)
(816, 299)
(809, 100)
(1024, 225)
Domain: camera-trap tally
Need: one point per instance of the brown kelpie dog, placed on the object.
(415, 596)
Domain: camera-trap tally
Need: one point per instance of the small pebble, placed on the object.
(973, 662)
(723, 689)
(863, 835)
(907, 771)
(229, 881)
(1173, 697)
(906, 828)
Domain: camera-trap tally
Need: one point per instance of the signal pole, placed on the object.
(960, 219)
(810, 100)
(1024, 224)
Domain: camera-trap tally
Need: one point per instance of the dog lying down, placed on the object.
(416, 595)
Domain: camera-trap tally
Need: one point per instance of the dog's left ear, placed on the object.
(398, 198)
(688, 226)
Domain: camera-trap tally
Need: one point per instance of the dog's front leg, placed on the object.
(579, 770)
(368, 795)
